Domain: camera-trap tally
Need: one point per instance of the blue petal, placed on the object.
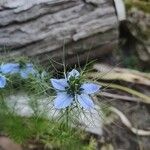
(85, 101)
(24, 73)
(90, 88)
(73, 73)
(59, 84)
(62, 100)
(2, 81)
(10, 68)
(30, 69)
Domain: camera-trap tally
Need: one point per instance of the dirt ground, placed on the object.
(120, 136)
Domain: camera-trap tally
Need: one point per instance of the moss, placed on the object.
(142, 5)
(49, 134)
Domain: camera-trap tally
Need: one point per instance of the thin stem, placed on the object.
(67, 117)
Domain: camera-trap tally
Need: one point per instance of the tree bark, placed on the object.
(41, 28)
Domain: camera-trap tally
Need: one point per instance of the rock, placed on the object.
(91, 120)
(7, 144)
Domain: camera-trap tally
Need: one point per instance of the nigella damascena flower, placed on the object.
(9, 68)
(27, 70)
(24, 70)
(2, 81)
(71, 90)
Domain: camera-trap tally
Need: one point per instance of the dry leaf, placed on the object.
(107, 147)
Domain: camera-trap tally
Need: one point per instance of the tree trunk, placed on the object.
(41, 28)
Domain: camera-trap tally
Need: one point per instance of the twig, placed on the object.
(122, 76)
(143, 98)
(119, 97)
(128, 124)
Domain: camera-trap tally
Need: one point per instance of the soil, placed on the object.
(120, 136)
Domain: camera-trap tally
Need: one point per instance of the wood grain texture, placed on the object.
(40, 28)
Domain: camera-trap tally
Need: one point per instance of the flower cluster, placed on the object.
(71, 90)
(23, 69)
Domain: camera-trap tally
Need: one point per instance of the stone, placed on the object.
(91, 120)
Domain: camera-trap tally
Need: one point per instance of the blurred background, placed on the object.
(115, 34)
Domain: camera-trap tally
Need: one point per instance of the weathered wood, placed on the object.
(40, 28)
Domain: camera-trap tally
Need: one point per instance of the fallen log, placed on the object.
(41, 28)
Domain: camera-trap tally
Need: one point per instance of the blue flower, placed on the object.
(24, 71)
(70, 90)
(2, 81)
(9, 68)
(27, 70)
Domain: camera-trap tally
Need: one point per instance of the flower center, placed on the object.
(22, 64)
(74, 86)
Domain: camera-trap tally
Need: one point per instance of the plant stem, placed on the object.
(67, 117)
